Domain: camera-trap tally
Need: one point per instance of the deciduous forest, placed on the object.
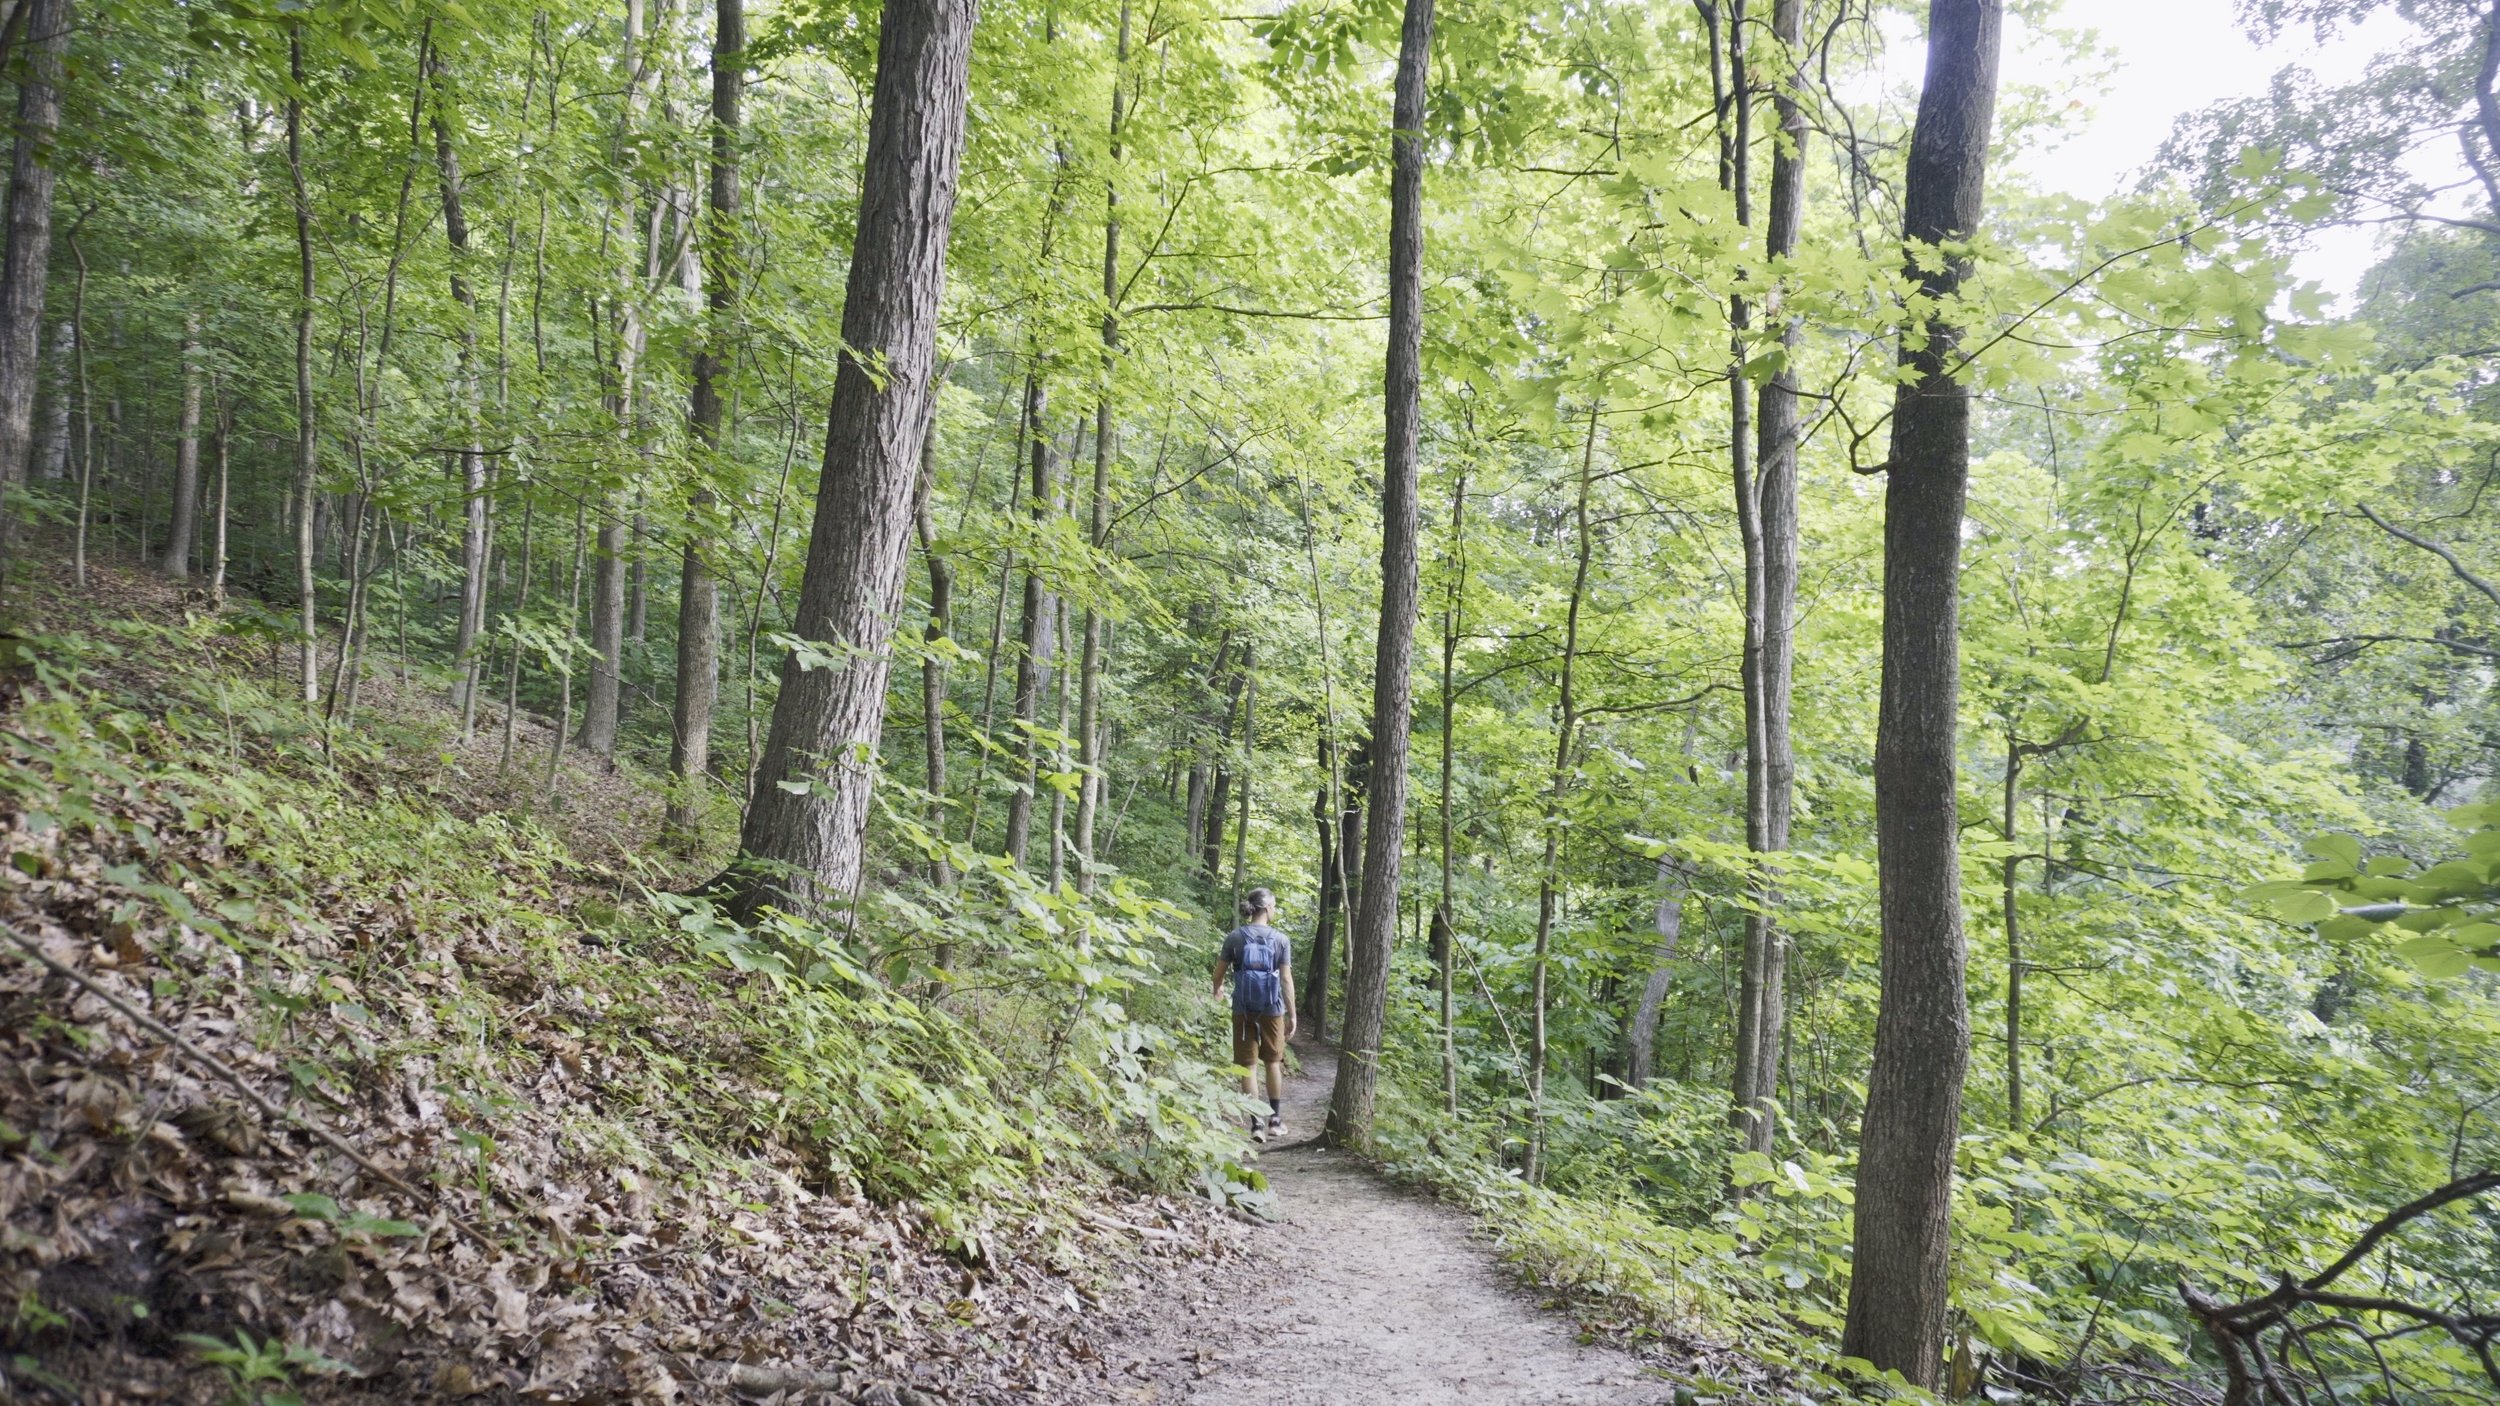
(647, 646)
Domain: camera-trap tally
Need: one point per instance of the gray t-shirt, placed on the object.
(1259, 956)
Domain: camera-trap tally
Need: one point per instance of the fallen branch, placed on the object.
(225, 1071)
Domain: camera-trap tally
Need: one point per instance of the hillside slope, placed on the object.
(604, 1147)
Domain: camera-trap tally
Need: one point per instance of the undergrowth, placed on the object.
(577, 1059)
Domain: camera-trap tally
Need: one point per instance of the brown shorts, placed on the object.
(1258, 1039)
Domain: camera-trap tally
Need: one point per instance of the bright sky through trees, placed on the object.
(2159, 60)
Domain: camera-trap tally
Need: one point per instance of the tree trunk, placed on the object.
(933, 663)
(610, 562)
(1035, 636)
(1445, 950)
(1331, 906)
(307, 464)
(52, 457)
(177, 559)
(600, 704)
(1249, 743)
(998, 633)
(473, 536)
(86, 410)
(804, 830)
(1771, 615)
(1098, 530)
(2010, 870)
(1220, 777)
(572, 622)
(1566, 739)
(217, 539)
(1897, 1296)
(698, 593)
(27, 259)
(1375, 919)
(1641, 1039)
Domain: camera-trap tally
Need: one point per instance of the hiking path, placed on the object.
(1365, 1294)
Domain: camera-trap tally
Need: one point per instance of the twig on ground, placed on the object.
(225, 1071)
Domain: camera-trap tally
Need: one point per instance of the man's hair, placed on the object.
(1257, 901)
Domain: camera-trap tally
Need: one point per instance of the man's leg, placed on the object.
(1276, 1091)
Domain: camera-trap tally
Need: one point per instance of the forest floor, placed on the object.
(1366, 1293)
(644, 1246)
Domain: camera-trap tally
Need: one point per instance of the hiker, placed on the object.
(1261, 963)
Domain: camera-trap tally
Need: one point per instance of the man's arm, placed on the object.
(1293, 1021)
(1221, 966)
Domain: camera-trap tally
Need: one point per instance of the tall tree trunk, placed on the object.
(177, 559)
(1566, 742)
(1106, 452)
(27, 259)
(86, 409)
(2009, 895)
(1445, 950)
(307, 464)
(698, 593)
(932, 661)
(1641, 1038)
(612, 558)
(1220, 775)
(802, 842)
(1330, 909)
(1922, 1027)
(572, 622)
(1249, 743)
(1034, 637)
(52, 456)
(1376, 915)
(1770, 634)
(474, 546)
(217, 539)
(998, 632)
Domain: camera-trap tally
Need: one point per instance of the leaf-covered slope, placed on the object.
(641, 1175)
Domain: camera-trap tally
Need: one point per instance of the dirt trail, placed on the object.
(1368, 1294)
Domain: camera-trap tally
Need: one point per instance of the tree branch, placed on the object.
(2464, 573)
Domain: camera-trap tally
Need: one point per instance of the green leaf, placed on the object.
(2343, 849)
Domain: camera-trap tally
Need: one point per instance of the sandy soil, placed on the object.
(1367, 1294)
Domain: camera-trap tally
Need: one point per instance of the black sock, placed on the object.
(1276, 1108)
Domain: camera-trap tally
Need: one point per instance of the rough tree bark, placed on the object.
(1376, 911)
(177, 559)
(27, 259)
(1922, 1027)
(803, 832)
(698, 593)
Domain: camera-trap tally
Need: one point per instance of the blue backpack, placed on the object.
(1257, 987)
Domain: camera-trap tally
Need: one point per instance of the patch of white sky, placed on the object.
(2125, 71)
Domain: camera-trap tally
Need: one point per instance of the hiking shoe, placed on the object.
(1275, 1127)
(1258, 1131)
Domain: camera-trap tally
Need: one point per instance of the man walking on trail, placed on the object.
(1261, 963)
